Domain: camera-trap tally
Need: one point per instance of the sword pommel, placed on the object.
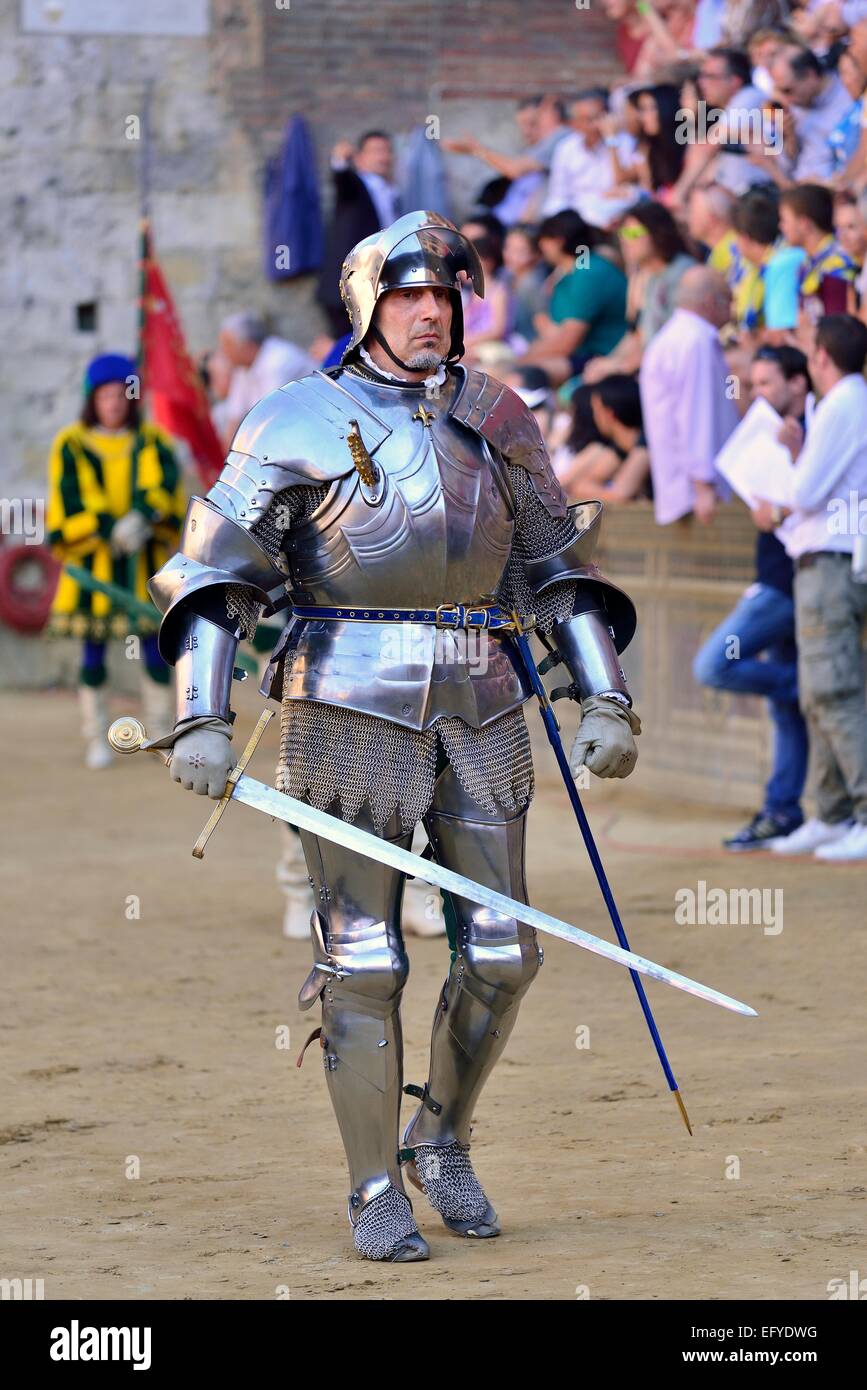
(127, 734)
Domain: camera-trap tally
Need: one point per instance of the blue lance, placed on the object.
(552, 729)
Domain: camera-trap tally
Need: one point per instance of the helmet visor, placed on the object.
(432, 256)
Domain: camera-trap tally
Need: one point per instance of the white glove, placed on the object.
(202, 760)
(604, 741)
(129, 534)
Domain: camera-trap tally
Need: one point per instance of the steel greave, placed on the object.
(497, 960)
(360, 960)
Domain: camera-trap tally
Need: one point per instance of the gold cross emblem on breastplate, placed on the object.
(424, 415)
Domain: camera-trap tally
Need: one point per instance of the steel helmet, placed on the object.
(420, 248)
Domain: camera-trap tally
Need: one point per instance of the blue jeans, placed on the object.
(764, 621)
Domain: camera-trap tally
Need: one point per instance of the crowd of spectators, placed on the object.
(658, 255)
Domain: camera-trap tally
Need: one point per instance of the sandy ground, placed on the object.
(153, 1038)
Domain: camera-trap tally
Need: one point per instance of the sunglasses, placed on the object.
(632, 233)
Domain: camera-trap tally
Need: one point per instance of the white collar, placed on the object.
(437, 379)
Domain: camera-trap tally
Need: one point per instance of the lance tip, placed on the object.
(682, 1108)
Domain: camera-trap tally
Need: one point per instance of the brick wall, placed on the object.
(68, 219)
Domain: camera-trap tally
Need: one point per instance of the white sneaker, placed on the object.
(98, 755)
(296, 918)
(810, 836)
(853, 845)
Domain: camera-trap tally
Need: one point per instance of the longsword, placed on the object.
(127, 735)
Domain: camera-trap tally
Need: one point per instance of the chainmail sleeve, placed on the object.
(537, 534)
(290, 506)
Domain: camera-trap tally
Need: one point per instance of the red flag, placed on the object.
(176, 393)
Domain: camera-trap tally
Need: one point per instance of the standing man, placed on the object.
(115, 502)
(829, 485)
(764, 623)
(686, 402)
(405, 506)
(365, 200)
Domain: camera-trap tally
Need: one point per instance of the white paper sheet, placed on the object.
(753, 461)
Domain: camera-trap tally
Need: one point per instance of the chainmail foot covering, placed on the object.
(329, 752)
(383, 1224)
(450, 1185)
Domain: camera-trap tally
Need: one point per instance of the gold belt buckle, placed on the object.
(453, 609)
(486, 617)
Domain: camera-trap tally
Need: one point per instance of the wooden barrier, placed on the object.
(697, 744)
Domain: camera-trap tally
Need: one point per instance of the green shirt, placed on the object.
(596, 295)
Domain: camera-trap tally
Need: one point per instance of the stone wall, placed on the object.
(70, 176)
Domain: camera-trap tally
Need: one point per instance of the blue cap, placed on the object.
(111, 366)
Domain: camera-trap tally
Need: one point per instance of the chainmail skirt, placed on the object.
(328, 752)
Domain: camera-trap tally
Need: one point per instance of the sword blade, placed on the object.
(264, 798)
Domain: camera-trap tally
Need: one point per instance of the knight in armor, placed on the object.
(400, 508)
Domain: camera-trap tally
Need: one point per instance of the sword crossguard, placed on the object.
(127, 734)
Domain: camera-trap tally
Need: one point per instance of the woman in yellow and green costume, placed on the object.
(115, 506)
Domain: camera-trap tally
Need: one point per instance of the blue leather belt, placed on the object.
(453, 615)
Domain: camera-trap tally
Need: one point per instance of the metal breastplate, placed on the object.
(440, 530)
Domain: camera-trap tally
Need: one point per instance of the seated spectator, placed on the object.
(658, 161)
(485, 320)
(619, 470)
(542, 125)
(485, 224)
(584, 172)
(725, 85)
(587, 314)
(686, 399)
(746, 17)
(764, 46)
(767, 287)
(525, 273)
(850, 229)
(631, 33)
(817, 101)
(260, 363)
(671, 28)
(656, 259)
(709, 223)
(845, 137)
(807, 220)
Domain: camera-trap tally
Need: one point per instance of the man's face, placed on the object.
(527, 120)
(767, 381)
(585, 119)
(850, 230)
(792, 226)
(790, 90)
(416, 323)
(375, 157)
(697, 215)
(236, 351)
(715, 82)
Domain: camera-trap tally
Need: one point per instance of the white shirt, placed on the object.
(830, 473)
(687, 412)
(813, 125)
(580, 177)
(275, 363)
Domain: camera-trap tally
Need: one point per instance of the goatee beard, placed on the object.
(426, 360)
